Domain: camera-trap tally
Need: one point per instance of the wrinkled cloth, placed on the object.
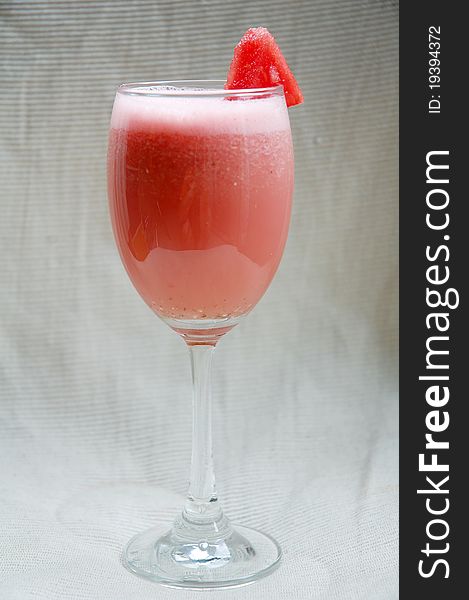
(95, 415)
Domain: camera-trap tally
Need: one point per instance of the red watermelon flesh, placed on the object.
(258, 62)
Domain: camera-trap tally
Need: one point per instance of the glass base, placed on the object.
(243, 557)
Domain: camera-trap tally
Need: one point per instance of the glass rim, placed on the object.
(193, 88)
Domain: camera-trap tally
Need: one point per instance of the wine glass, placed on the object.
(200, 186)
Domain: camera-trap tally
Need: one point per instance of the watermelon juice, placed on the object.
(200, 189)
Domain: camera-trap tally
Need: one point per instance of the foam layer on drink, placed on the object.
(200, 114)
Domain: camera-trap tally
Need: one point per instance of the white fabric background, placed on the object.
(95, 393)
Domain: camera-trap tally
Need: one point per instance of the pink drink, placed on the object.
(200, 193)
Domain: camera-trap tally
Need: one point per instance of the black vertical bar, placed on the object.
(421, 131)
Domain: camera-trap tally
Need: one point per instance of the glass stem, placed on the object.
(202, 517)
(202, 479)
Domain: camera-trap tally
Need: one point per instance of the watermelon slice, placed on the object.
(258, 62)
